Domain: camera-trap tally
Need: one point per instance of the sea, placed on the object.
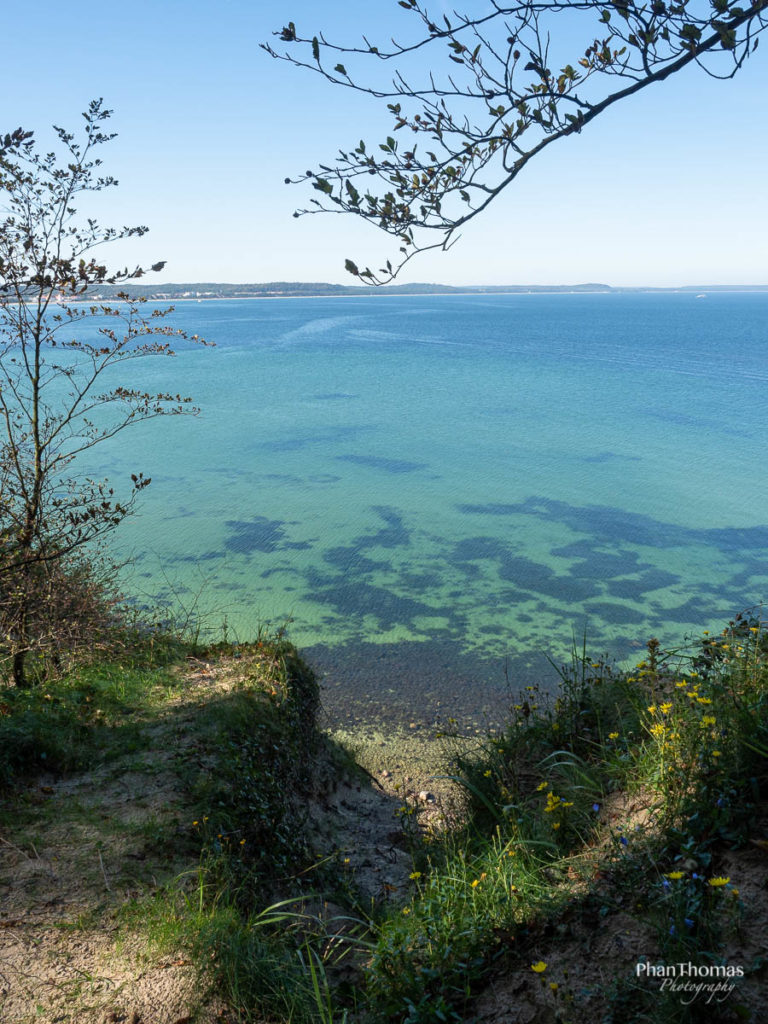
(442, 497)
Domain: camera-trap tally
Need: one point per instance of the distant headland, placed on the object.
(297, 289)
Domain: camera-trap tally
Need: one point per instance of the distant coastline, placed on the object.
(201, 291)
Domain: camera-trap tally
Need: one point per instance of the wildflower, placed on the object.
(658, 730)
(718, 881)
(542, 785)
(666, 708)
(539, 967)
(717, 753)
(688, 922)
(704, 700)
(195, 823)
(406, 910)
(613, 735)
(555, 825)
(487, 774)
(652, 708)
(595, 808)
(242, 842)
(476, 883)
(681, 685)
(553, 985)
(708, 720)
(552, 802)
(734, 892)
(414, 875)
(623, 840)
(675, 874)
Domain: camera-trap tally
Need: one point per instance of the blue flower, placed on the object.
(624, 841)
(688, 923)
(595, 808)
(671, 929)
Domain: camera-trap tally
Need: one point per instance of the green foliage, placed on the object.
(683, 739)
(479, 95)
(59, 397)
(80, 720)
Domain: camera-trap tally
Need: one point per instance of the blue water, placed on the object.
(448, 487)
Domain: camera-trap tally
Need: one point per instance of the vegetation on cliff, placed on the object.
(180, 807)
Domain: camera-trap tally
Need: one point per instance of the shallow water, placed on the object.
(465, 482)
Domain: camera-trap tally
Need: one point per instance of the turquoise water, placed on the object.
(464, 482)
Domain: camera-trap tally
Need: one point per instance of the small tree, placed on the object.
(58, 396)
(499, 88)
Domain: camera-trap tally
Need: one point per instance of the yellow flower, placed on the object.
(242, 842)
(539, 967)
(542, 785)
(704, 700)
(717, 882)
(195, 822)
(553, 986)
(487, 774)
(555, 825)
(652, 708)
(406, 910)
(476, 883)
(708, 720)
(716, 753)
(666, 708)
(675, 874)
(613, 735)
(415, 874)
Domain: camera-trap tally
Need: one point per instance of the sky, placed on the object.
(665, 189)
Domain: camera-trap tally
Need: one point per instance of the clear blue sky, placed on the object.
(667, 189)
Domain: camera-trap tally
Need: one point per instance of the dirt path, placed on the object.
(83, 847)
